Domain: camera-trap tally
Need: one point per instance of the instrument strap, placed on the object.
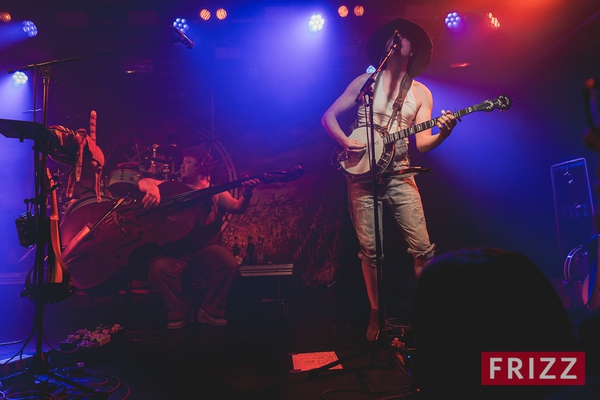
(404, 87)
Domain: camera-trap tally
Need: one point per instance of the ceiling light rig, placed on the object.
(358, 11)
(220, 14)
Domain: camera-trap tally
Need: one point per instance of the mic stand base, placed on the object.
(30, 381)
(383, 343)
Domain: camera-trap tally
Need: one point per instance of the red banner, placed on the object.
(532, 368)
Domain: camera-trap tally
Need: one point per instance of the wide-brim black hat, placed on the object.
(419, 40)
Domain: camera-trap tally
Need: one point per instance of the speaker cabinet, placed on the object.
(574, 210)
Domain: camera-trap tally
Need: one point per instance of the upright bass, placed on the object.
(104, 245)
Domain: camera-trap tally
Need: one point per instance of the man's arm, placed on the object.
(150, 187)
(237, 206)
(343, 104)
(425, 140)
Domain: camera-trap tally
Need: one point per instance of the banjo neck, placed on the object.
(356, 165)
(423, 126)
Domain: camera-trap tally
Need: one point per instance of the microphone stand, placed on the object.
(99, 53)
(38, 290)
(366, 93)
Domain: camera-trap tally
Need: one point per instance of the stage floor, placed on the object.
(250, 358)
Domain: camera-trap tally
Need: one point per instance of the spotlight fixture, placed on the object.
(453, 20)
(205, 14)
(19, 78)
(494, 21)
(221, 14)
(343, 11)
(359, 11)
(181, 24)
(316, 22)
(29, 28)
(5, 16)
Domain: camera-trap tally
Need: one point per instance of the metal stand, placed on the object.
(37, 288)
(383, 340)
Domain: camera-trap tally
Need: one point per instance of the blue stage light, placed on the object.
(19, 78)
(181, 24)
(29, 28)
(316, 23)
(453, 20)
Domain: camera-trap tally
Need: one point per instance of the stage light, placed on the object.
(181, 24)
(205, 14)
(29, 28)
(221, 14)
(316, 22)
(5, 16)
(494, 21)
(343, 11)
(453, 20)
(359, 11)
(19, 78)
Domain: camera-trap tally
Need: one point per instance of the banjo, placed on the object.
(356, 165)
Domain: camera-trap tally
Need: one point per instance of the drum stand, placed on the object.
(383, 340)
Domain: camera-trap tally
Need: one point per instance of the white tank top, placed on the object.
(382, 110)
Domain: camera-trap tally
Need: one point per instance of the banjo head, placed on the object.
(357, 164)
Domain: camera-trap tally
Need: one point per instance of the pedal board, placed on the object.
(84, 338)
(404, 345)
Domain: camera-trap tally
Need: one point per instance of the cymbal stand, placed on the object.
(153, 160)
(382, 341)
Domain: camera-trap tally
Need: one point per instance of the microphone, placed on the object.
(187, 42)
(397, 39)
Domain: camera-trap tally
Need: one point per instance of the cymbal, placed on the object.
(154, 146)
(128, 164)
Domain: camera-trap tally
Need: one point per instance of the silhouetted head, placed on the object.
(476, 300)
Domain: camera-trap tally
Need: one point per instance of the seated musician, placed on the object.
(200, 251)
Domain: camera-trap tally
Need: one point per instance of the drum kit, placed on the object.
(159, 164)
(155, 161)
